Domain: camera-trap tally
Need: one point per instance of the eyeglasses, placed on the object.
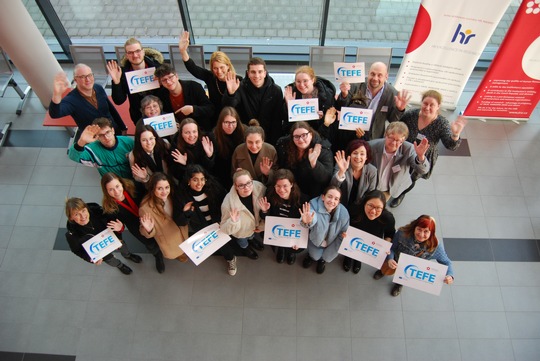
(394, 140)
(245, 185)
(301, 136)
(226, 122)
(373, 207)
(130, 53)
(84, 77)
(106, 134)
(168, 79)
(152, 106)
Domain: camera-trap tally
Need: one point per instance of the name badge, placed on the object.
(396, 168)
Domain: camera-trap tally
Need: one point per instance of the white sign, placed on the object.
(303, 109)
(285, 232)
(350, 72)
(365, 247)
(353, 118)
(141, 80)
(204, 243)
(164, 124)
(421, 274)
(101, 245)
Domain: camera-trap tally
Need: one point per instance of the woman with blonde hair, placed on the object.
(220, 65)
(162, 217)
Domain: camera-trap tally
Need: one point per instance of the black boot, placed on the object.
(280, 255)
(160, 263)
(347, 264)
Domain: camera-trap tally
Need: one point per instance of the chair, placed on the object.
(239, 55)
(372, 55)
(195, 52)
(6, 79)
(94, 57)
(322, 59)
(120, 52)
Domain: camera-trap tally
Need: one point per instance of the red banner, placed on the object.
(511, 87)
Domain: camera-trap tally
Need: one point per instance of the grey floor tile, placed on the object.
(8, 214)
(524, 324)
(88, 194)
(85, 176)
(104, 343)
(38, 238)
(526, 350)
(17, 309)
(53, 175)
(66, 263)
(477, 298)
(367, 324)
(500, 186)
(489, 147)
(518, 273)
(18, 284)
(486, 350)
(455, 184)
(158, 290)
(66, 287)
(45, 195)
(12, 193)
(416, 323)
(270, 295)
(521, 298)
(530, 186)
(512, 250)
(454, 166)
(212, 293)
(462, 249)
(376, 349)
(19, 156)
(157, 345)
(206, 347)
(374, 297)
(417, 204)
(425, 349)
(476, 273)
(120, 288)
(59, 313)
(268, 348)
(47, 339)
(414, 300)
(463, 226)
(14, 336)
(279, 322)
(459, 205)
(11, 356)
(504, 206)
(323, 296)
(521, 227)
(494, 166)
(47, 357)
(110, 315)
(481, 325)
(15, 174)
(533, 206)
(39, 216)
(5, 235)
(25, 260)
(160, 318)
(524, 149)
(481, 130)
(211, 320)
(321, 348)
(54, 157)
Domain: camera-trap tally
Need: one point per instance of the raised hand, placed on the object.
(183, 43)
(147, 222)
(232, 83)
(186, 110)
(345, 88)
(115, 225)
(139, 172)
(235, 215)
(289, 94)
(402, 99)
(60, 85)
(421, 149)
(208, 146)
(342, 162)
(314, 154)
(266, 165)
(264, 205)
(188, 207)
(179, 157)
(330, 116)
(89, 135)
(306, 214)
(457, 125)
(114, 71)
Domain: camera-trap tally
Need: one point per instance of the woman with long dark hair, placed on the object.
(150, 154)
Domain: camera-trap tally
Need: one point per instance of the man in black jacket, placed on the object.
(257, 97)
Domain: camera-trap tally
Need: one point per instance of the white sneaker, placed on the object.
(232, 266)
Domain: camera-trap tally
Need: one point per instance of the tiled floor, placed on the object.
(488, 210)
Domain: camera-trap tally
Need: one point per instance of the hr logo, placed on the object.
(464, 36)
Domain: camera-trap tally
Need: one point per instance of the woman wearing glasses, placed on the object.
(227, 135)
(308, 156)
(256, 156)
(283, 199)
(372, 217)
(240, 211)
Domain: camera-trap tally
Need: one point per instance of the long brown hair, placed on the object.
(293, 149)
(274, 198)
(424, 221)
(181, 143)
(108, 202)
(226, 144)
(139, 153)
(150, 197)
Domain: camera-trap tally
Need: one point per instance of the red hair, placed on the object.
(424, 221)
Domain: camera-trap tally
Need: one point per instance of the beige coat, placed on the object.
(248, 222)
(166, 232)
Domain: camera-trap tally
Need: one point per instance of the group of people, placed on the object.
(236, 159)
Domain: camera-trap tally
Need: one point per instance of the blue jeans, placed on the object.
(243, 242)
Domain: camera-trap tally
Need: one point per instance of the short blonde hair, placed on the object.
(397, 128)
